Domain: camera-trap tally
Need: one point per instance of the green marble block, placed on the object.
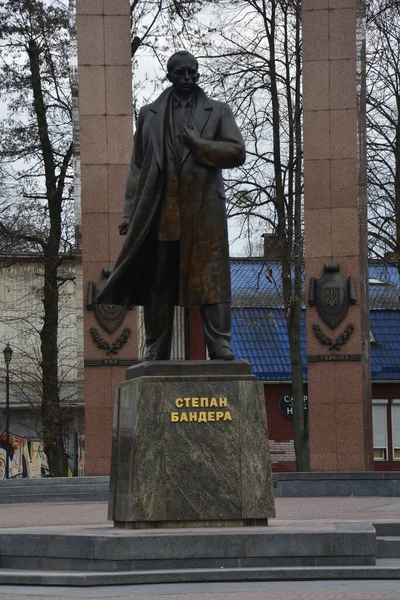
(190, 447)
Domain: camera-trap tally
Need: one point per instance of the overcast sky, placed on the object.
(148, 69)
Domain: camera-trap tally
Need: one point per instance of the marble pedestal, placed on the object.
(190, 447)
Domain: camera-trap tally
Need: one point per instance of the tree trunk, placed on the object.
(51, 410)
(52, 415)
(290, 241)
(300, 416)
(397, 186)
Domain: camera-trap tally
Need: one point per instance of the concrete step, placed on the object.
(59, 498)
(387, 528)
(50, 481)
(388, 547)
(334, 484)
(105, 549)
(57, 489)
(53, 489)
(89, 578)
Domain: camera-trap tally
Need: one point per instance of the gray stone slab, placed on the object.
(339, 476)
(356, 526)
(255, 464)
(98, 551)
(74, 564)
(311, 485)
(203, 478)
(56, 498)
(57, 489)
(114, 452)
(188, 368)
(387, 528)
(86, 579)
(386, 507)
(388, 547)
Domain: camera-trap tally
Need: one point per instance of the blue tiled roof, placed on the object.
(259, 330)
(385, 351)
(259, 335)
(258, 283)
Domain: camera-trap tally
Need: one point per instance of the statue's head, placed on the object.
(183, 72)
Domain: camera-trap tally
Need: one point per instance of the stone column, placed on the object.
(335, 226)
(106, 135)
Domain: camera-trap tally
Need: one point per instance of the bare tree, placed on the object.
(157, 24)
(383, 127)
(35, 153)
(254, 54)
(158, 28)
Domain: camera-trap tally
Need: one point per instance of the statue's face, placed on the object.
(183, 74)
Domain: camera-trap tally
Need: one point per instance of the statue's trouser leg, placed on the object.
(216, 320)
(159, 310)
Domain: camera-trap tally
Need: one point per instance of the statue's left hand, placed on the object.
(190, 136)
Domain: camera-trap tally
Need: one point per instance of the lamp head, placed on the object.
(7, 354)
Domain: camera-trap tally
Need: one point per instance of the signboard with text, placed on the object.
(285, 405)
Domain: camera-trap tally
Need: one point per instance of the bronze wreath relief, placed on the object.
(326, 340)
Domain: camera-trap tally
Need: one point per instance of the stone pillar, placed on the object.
(335, 226)
(106, 135)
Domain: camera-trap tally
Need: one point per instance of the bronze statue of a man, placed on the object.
(176, 247)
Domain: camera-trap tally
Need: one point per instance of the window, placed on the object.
(375, 281)
(379, 427)
(396, 429)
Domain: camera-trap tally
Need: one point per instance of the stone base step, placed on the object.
(54, 490)
(335, 484)
(388, 547)
(114, 550)
(51, 481)
(387, 528)
(54, 498)
(87, 579)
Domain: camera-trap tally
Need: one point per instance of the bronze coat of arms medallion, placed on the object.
(332, 295)
(109, 316)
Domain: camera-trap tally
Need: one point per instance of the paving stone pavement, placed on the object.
(311, 511)
(305, 591)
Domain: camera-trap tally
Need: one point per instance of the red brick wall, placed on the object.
(387, 391)
(280, 429)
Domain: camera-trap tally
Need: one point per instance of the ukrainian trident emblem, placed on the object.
(331, 297)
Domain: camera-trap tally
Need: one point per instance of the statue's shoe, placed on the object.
(148, 356)
(224, 353)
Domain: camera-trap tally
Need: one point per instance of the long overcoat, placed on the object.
(204, 275)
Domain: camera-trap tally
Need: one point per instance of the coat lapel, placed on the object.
(159, 110)
(201, 115)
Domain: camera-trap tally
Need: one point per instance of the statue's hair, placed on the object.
(172, 59)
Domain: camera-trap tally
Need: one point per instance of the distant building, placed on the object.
(21, 315)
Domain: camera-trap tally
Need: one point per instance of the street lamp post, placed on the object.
(7, 359)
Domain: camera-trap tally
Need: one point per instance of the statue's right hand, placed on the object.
(124, 226)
